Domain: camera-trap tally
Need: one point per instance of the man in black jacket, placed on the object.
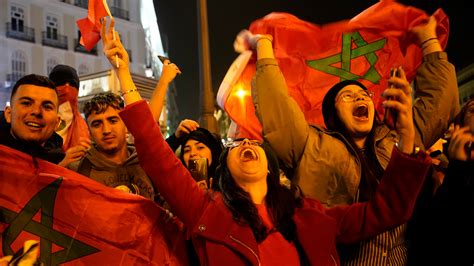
(30, 120)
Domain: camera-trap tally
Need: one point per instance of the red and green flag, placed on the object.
(315, 57)
(78, 221)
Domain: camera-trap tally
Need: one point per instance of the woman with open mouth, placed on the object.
(253, 220)
(344, 162)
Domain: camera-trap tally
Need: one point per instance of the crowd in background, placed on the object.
(362, 191)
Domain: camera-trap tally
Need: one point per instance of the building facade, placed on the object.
(39, 34)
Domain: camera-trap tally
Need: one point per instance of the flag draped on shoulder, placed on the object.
(90, 26)
(78, 221)
(314, 57)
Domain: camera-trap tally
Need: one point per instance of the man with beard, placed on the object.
(111, 161)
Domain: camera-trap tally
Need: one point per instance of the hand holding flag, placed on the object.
(314, 57)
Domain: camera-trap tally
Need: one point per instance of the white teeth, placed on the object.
(33, 124)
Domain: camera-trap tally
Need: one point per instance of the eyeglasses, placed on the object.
(349, 96)
(237, 142)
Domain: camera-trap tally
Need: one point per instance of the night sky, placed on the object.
(178, 21)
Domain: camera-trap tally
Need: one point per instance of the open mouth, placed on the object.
(248, 155)
(361, 111)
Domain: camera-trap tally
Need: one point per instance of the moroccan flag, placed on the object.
(315, 57)
(90, 26)
(79, 221)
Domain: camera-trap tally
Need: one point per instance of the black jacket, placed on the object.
(51, 151)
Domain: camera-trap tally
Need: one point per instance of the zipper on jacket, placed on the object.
(246, 246)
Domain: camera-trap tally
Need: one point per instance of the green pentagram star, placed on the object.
(347, 54)
(23, 221)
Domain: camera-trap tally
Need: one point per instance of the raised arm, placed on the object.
(167, 173)
(168, 74)
(284, 125)
(119, 60)
(436, 96)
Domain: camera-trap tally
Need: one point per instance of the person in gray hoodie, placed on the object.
(111, 160)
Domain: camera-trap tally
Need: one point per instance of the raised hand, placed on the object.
(185, 127)
(425, 31)
(398, 97)
(426, 37)
(169, 72)
(112, 47)
(245, 40)
(461, 145)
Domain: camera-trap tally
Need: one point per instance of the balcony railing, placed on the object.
(81, 49)
(120, 13)
(59, 42)
(20, 32)
(81, 3)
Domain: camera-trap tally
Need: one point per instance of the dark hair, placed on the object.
(33, 79)
(100, 102)
(368, 181)
(213, 142)
(62, 74)
(280, 201)
(459, 118)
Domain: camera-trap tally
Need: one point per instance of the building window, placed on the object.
(50, 64)
(51, 27)
(117, 3)
(117, 9)
(18, 66)
(17, 18)
(83, 69)
(16, 25)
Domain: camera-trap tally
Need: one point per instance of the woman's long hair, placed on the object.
(280, 201)
(369, 179)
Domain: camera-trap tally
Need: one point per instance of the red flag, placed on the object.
(75, 127)
(90, 26)
(79, 221)
(313, 58)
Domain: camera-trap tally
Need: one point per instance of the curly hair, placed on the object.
(280, 201)
(100, 102)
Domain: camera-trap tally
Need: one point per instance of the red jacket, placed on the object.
(219, 240)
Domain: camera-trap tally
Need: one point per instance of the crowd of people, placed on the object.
(361, 192)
